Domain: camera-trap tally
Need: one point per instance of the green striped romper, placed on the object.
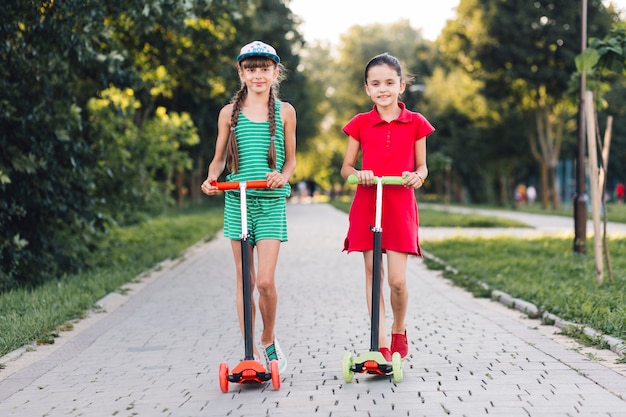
(267, 217)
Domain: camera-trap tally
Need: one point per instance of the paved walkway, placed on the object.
(158, 353)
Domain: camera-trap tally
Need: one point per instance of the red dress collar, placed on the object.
(374, 117)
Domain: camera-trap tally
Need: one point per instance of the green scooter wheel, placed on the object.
(346, 367)
(396, 367)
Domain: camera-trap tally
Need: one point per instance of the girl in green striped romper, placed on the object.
(256, 140)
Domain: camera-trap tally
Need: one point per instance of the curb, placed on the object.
(616, 345)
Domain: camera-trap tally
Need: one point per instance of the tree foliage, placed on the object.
(135, 165)
(108, 112)
(45, 192)
(524, 53)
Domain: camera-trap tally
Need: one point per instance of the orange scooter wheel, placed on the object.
(275, 374)
(223, 375)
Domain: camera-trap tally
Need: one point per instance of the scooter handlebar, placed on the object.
(394, 180)
(234, 185)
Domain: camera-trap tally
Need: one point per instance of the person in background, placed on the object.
(531, 194)
(619, 192)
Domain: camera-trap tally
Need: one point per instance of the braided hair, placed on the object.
(232, 153)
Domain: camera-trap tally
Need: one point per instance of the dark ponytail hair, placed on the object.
(391, 61)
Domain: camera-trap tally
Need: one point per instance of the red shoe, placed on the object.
(400, 344)
(386, 353)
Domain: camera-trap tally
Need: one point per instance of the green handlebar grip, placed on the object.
(353, 179)
(394, 180)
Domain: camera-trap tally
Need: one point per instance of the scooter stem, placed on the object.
(377, 229)
(245, 275)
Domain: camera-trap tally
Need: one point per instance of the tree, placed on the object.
(524, 53)
(603, 58)
(181, 59)
(473, 131)
(44, 162)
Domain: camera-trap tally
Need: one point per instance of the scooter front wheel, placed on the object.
(223, 375)
(396, 367)
(275, 374)
(346, 367)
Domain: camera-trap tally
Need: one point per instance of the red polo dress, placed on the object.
(387, 148)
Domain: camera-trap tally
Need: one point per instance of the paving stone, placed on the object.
(159, 351)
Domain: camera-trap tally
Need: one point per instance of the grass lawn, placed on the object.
(545, 272)
(38, 314)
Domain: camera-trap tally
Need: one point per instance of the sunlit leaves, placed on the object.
(130, 170)
(605, 55)
(4, 178)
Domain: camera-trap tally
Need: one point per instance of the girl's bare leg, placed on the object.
(396, 265)
(268, 250)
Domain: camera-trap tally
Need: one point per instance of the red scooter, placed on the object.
(249, 370)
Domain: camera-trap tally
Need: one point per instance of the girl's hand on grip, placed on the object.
(412, 179)
(366, 177)
(275, 179)
(207, 187)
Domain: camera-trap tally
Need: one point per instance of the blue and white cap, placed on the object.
(258, 48)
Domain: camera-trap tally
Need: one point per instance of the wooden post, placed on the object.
(606, 146)
(590, 122)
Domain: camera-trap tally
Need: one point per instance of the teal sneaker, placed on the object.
(274, 352)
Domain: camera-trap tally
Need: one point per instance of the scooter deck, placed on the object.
(249, 371)
(372, 363)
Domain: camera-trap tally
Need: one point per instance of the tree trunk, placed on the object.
(545, 146)
(606, 146)
(504, 193)
(554, 192)
(180, 187)
(545, 188)
(198, 175)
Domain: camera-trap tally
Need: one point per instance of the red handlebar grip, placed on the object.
(232, 185)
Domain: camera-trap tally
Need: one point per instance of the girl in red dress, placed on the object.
(392, 142)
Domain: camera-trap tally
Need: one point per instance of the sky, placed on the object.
(326, 20)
